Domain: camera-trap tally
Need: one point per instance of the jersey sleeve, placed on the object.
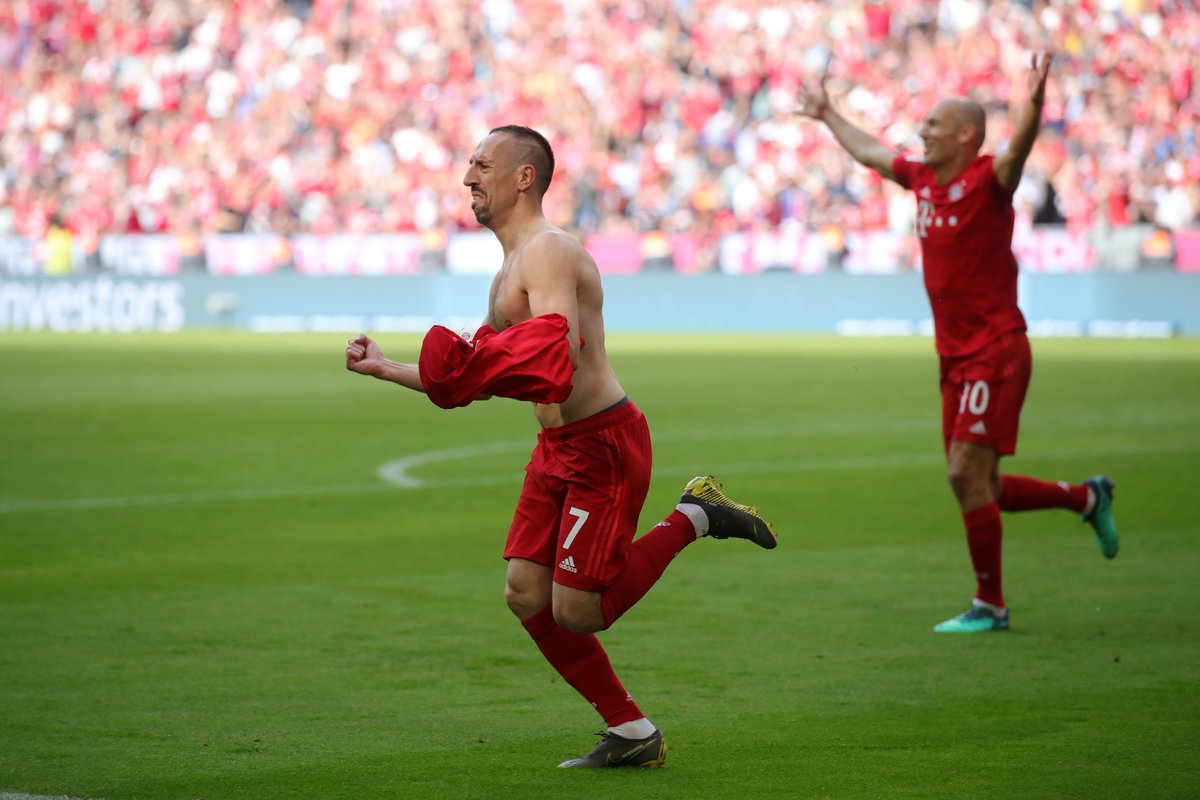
(904, 168)
(992, 182)
(529, 361)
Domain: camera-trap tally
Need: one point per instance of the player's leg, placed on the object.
(631, 739)
(601, 571)
(978, 426)
(608, 473)
(602, 467)
(1025, 493)
(973, 471)
(531, 549)
(579, 659)
(703, 510)
(1091, 499)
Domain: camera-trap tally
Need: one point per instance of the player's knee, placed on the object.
(522, 603)
(959, 479)
(971, 486)
(964, 481)
(577, 620)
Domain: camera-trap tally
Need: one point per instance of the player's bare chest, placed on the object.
(507, 304)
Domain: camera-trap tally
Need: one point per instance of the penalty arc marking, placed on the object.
(397, 472)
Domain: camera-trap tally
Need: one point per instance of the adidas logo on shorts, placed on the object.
(568, 564)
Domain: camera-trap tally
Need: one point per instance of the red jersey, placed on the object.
(966, 229)
(529, 361)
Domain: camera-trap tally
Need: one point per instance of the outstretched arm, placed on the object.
(862, 146)
(364, 357)
(1011, 163)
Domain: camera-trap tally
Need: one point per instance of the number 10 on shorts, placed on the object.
(974, 398)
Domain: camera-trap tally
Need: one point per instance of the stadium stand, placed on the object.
(322, 117)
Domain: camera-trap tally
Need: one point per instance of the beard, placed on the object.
(483, 214)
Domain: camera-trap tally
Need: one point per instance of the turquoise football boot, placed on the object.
(976, 619)
(1101, 516)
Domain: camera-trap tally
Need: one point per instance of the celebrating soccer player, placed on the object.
(965, 224)
(574, 566)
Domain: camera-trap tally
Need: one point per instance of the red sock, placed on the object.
(582, 662)
(984, 532)
(1021, 493)
(645, 563)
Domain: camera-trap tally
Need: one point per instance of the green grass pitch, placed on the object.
(207, 591)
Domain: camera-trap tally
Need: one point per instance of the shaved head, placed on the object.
(953, 133)
(969, 113)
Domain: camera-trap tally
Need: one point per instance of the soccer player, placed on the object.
(574, 566)
(965, 225)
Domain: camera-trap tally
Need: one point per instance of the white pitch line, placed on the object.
(85, 503)
(838, 427)
(396, 472)
(394, 475)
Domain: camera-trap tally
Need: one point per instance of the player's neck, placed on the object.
(515, 230)
(947, 172)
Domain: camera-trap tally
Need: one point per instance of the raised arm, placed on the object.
(862, 146)
(364, 357)
(1011, 163)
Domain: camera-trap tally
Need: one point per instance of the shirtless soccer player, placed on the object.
(574, 566)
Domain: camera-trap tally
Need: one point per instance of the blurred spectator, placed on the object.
(56, 248)
(1157, 250)
(202, 116)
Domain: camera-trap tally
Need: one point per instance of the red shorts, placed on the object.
(982, 394)
(584, 489)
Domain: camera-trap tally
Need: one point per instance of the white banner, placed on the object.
(347, 254)
(242, 253)
(18, 256)
(473, 253)
(140, 254)
(102, 306)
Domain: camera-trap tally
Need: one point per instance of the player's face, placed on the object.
(939, 132)
(490, 178)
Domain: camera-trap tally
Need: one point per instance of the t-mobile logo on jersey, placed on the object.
(924, 217)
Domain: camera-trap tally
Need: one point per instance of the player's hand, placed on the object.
(813, 100)
(363, 355)
(1040, 63)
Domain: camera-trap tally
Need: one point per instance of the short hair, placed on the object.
(537, 152)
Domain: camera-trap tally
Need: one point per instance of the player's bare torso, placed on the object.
(596, 386)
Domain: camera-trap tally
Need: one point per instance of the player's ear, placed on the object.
(526, 177)
(968, 133)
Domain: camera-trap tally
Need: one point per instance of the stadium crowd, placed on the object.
(674, 115)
